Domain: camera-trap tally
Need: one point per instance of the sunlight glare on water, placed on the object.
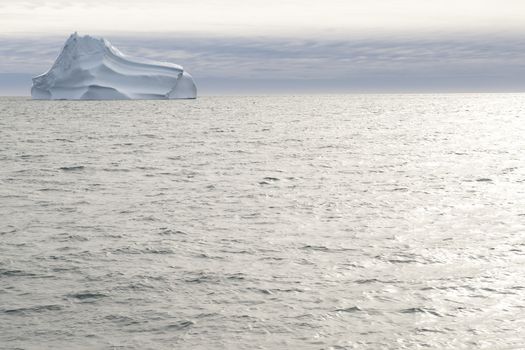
(307, 222)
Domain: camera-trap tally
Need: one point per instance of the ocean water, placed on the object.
(291, 222)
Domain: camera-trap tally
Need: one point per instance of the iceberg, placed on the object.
(92, 69)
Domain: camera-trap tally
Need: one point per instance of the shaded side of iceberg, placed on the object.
(93, 69)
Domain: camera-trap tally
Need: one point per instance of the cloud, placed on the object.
(255, 17)
(380, 63)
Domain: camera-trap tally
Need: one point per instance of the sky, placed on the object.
(284, 46)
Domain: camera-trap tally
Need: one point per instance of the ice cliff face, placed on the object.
(93, 69)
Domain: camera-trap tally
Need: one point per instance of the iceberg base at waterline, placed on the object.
(92, 69)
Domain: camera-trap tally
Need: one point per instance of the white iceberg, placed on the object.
(93, 69)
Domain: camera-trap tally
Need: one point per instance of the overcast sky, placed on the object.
(285, 45)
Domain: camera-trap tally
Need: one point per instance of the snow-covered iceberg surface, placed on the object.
(93, 69)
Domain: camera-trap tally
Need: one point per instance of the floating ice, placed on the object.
(93, 69)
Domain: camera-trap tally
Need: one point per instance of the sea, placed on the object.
(263, 222)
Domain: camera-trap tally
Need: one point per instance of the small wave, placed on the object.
(65, 140)
(202, 278)
(509, 170)
(319, 248)
(369, 280)
(49, 189)
(71, 238)
(116, 170)
(150, 250)
(169, 232)
(214, 279)
(415, 310)
(207, 256)
(11, 229)
(349, 309)
(138, 286)
(124, 320)
(38, 308)
(147, 168)
(400, 189)
(236, 277)
(402, 261)
(261, 291)
(87, 295)
(289, 290)
(29, 156)
(269, 178)
(72, 168)
(180, 325)
(428, 330)
(16, 273)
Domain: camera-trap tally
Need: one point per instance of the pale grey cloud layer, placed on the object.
(385, 63)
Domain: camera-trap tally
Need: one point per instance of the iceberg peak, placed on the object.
(92, 68)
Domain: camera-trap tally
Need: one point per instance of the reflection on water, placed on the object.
(389, 221)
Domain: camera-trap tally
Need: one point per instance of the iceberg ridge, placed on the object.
(92, 69)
